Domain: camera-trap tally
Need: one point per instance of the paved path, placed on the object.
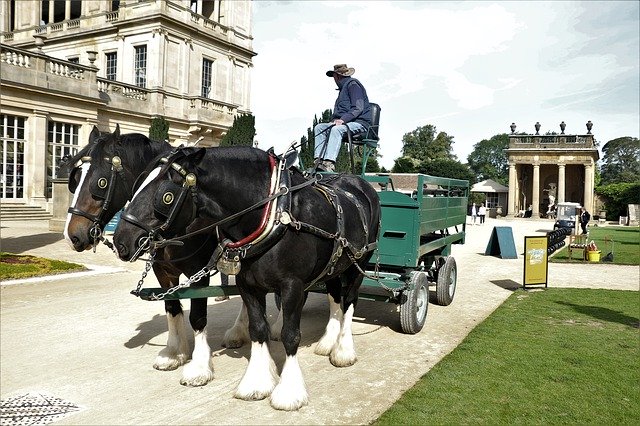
(84, 339)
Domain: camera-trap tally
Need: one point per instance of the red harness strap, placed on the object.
(263, 221)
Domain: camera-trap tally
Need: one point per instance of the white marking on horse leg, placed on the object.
(343, 354)
(276, 327)
(260, 376)
(199, 371)
(176, 352)
(85, 169)
(330, 337)
(291, 392)
(238, 335)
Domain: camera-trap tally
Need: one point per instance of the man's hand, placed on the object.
(338, 122)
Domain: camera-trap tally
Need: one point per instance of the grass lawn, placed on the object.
(555, 356)
(626, 245)
(13, 266)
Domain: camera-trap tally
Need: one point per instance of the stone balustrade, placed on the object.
(560, 141)
(128, 90)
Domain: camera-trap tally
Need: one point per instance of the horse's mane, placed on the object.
(240, 154)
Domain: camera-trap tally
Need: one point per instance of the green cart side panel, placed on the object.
(413, 220)
(398, 236)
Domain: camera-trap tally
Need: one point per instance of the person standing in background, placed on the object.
(482, 212)
(584, 219)
(474, 213)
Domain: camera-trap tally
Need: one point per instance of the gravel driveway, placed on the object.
(84, 340)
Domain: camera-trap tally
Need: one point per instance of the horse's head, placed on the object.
(162, 206)
(101, 178)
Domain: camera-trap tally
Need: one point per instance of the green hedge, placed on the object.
(618, 196)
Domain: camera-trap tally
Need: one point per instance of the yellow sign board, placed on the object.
(536, 265)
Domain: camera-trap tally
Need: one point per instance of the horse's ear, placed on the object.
(95, 134)
(197, 155)
(116, 132)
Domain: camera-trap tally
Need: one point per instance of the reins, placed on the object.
(282, 191)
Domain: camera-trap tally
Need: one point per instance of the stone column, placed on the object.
(588, 187)
(561, 183)
(535, 191)
(37, 159)
(51, 10)
(67, 10)
(513, 190)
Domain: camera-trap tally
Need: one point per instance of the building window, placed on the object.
(207, 76)
(12, 142)
(74, 60)
(492, 200)
(115, 5)
(62, 141)
(140, 66)
(112, 65)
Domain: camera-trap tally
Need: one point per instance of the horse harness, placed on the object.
(275, 220)
(103, 189)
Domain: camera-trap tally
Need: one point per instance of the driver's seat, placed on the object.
(368, 139)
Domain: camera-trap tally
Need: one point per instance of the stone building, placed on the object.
(548, 169)
(67, 65)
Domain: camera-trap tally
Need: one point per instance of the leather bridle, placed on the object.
(105, 189)
(173, 204)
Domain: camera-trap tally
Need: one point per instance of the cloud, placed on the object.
(471, 67)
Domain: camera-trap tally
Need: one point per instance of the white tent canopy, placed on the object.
(489, 185)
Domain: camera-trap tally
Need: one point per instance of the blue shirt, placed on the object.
(352, 103)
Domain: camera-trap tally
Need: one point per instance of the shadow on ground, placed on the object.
(507, 284)
(25, 243)
(604, 314)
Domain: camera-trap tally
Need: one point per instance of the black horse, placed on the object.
(102, 179)
(278, 231)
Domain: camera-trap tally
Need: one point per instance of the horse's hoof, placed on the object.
(235, 338)
(323, 349)
(252, 396)
(196, 375)
(287, 400)
(164, 363)
(343, 359)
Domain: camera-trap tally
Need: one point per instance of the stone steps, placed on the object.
(22, 212)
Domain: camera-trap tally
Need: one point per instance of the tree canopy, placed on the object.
(241, 132)
(425, 143)
(621, 161)
(488, 160)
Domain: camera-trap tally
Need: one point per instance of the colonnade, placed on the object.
(514, 188)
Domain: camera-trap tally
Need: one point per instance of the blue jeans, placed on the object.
(334, 139)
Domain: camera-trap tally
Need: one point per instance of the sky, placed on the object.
(468, 68)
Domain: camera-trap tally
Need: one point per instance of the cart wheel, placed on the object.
(446, 284)
(413, 312)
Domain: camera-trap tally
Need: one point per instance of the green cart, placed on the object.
(422, 216)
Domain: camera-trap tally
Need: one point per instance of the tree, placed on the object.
(241, 132)
(488, 160)
(621, 161)
(424, 143)
(405, 165)
(445, 167)
(618, 196)
(159, 129)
